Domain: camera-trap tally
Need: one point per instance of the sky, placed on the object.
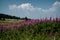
(34, 9)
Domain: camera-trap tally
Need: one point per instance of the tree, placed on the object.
(26, 18)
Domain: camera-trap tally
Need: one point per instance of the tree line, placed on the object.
(5, 16)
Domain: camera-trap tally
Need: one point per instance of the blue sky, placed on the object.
(31, 8)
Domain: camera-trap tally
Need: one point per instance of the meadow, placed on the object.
(34, 29)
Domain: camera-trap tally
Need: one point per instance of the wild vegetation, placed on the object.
(39, 29)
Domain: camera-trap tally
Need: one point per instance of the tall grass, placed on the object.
(40, 31)
(31, 30)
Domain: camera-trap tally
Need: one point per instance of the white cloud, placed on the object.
(56, 3)
(25, 6)
(28, 10)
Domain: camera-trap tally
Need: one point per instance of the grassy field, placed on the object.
(9, 21)
(39, 31)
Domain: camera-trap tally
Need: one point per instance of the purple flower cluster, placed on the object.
(28, 23)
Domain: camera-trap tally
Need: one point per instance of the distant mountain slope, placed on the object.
(8, 16)
(11, 17)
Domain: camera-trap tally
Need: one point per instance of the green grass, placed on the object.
(9, 21)
(16, 34)
(41, 31)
